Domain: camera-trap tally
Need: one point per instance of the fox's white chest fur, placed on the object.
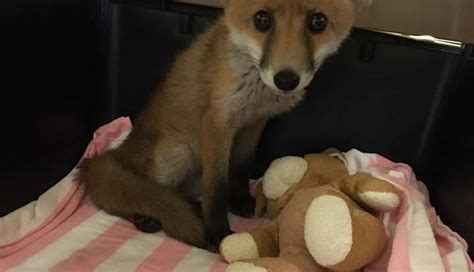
(250, 99)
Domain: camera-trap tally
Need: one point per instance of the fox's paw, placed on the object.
(238, 247)
(215, 237)
(243, 206)
(146, 224)
(244, 267)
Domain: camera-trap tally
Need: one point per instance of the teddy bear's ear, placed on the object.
(260, 201)
(330, 151)
(335, 153)
(282, 174)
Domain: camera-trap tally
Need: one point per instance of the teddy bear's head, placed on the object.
(287, 175)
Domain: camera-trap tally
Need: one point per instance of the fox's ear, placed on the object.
(362, 3)
(224, 2)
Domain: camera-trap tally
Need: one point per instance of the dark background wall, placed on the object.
(47, 89)
(66, 70)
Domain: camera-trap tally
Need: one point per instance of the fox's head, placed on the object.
(288, 39)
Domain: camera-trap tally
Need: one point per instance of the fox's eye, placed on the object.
(263, 21)
(317, 22)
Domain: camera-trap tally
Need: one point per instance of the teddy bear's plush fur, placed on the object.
(321, 218)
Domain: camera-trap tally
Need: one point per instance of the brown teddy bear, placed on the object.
(321, 218)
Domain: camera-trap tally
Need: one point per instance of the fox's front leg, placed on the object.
(217, 138)
(242, 162)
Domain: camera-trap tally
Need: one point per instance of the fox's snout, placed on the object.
(289, 77)
(286, 80)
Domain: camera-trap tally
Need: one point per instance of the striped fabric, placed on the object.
(419, 240)
(63, 230)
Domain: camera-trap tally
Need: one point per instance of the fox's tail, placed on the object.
(121, 192)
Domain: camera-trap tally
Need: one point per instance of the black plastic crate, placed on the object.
(380, 93)
(384, 94)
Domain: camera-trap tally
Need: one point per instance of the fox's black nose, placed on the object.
(286, 80)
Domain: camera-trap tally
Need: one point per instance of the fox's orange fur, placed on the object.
(205, 120)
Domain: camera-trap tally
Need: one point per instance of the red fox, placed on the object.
(205, 120)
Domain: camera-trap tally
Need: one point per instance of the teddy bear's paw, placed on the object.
(244, 267)
(328, 230)
(238, 247)
(380, 201)
(378, 194)
(281, 174)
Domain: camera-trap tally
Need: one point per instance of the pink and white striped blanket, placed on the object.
(63, 231)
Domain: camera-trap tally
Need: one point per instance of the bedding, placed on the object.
(64, 231)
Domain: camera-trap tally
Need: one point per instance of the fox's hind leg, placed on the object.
(146, 224)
